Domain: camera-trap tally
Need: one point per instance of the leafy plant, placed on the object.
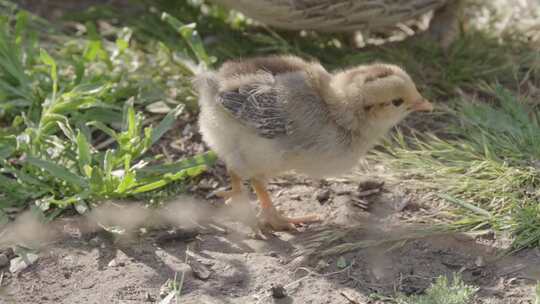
(74, 132)
(442, 292)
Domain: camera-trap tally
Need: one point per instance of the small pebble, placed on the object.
(323, 196)
(95, 241)
(479, 262)
(273, 254)
(278, 291)
(184, 235)
(4, 260)
(295, 197)
(321, 265)
(199, 270)
(72, 230)
(20, 263)
(148, 297)
(113, 263)
(8, 252)
(369, 185)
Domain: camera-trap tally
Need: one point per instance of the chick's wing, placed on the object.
(259, 107)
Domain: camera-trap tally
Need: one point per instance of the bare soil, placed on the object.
(82, 265)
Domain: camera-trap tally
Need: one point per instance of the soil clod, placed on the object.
(4, 260)
(8, 252)
(278, 291)
(322, 196)
(148, 297)
(22, 262)
(370, 185)
(273, 254)
(199, 270)
(175, 235)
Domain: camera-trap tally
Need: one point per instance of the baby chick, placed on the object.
(267, 115)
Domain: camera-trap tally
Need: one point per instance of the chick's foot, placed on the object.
(226, 194)
(236, 189)
(272, 219)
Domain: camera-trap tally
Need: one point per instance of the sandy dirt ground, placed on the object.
(223, 261)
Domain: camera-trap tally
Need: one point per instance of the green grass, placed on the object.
(74, 129)
(442, 292)
(486, 165)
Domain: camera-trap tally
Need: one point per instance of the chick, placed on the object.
(268, 115)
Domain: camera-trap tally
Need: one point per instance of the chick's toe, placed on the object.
(272, 219)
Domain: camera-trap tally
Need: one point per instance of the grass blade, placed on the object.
(58, 171)
(206, 159)
(48, 60)
(465, 205)
(83, 151)
(192, 38)
(166, 123)
(102, 127)
(166, 174)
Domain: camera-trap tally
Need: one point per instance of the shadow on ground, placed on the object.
(321, 264)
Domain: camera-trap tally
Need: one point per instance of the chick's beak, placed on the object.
(422, 105)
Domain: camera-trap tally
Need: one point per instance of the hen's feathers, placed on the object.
(260, 109)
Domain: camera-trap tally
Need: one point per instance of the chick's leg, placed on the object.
(271, 217)
(236, 187)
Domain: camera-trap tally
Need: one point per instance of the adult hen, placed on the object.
(267, 115)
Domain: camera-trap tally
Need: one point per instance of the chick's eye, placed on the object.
(397, 102)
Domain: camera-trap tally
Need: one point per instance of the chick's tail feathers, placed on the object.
(206, 84)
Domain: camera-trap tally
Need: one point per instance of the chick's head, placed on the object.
(381, 95)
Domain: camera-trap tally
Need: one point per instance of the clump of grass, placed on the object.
(442, 292)
(330, 242)
(73, 110)
(487, 165)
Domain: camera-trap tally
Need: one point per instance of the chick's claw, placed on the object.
(272, 219)
(308, 219)
(225, 194)
(236, 189)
